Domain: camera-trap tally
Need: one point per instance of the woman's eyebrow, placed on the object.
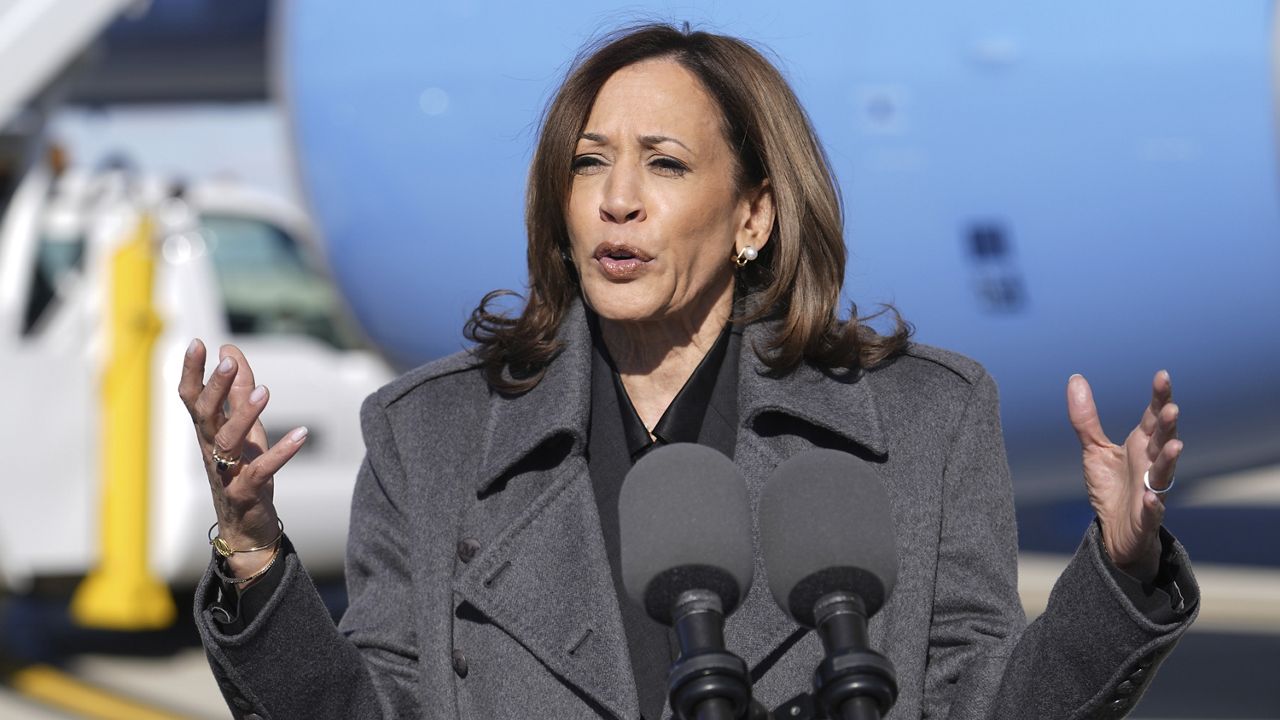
(655, 140)
(645, 140)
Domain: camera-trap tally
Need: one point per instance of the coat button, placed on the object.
(1138, 674)
(459, 663)
(1124, 689)
(467, 549)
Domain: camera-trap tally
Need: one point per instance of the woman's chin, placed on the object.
(645, 303)
(621, 312)
(623, 302)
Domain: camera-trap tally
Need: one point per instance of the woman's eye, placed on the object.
(669, 166)
(586, 164)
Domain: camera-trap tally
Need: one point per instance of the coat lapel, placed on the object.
(545, 578)
(780, 416)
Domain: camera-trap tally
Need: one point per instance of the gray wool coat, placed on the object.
(479, 587)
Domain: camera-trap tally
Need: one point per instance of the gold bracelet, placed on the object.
(254, 576)
(222, 548)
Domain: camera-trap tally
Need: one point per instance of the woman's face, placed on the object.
(654, 210)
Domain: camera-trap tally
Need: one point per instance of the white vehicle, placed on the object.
(231, 265)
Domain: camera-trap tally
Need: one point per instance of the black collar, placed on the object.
(682, 421)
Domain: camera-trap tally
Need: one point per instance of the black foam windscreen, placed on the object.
(826, 526)
(685, 524)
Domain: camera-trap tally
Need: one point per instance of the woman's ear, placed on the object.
(757, 218)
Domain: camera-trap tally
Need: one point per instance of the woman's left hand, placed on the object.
(1130, 514)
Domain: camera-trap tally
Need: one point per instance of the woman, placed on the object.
(685, 254)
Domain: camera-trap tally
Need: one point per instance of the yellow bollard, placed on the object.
(121, 593)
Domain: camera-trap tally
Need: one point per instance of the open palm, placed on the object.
(1129, 513)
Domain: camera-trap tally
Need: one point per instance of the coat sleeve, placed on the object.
(291, 661)
(1090, 655)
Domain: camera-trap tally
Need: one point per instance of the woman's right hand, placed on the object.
(226, 413)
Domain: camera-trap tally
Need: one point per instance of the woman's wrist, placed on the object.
(1142, 565)
(245, 559)
(245, 564)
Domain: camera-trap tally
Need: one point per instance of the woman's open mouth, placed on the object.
(621, 262)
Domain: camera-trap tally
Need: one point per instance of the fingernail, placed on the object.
(191, 349)
(299, 435)
(226, 365)
(258, 393)
(1074, 376)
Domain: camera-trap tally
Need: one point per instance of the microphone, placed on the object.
(685, 526)
(827, 535)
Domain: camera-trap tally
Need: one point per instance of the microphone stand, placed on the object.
(853, 682)
(706, 682)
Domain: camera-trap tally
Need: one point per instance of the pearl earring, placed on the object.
(745, 255)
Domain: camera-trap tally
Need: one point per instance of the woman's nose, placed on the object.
(622, 201)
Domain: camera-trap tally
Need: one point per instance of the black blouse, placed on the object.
(705, 411)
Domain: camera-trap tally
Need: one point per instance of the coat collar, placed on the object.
(839, 402)
(561, 402)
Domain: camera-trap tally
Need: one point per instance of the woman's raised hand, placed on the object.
(226, 413)
(1113, 474)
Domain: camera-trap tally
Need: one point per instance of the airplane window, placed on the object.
(997, 278)
(268, 285)
(987, 241)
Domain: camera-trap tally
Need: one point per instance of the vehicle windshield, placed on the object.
(8, 184)
(58, 257)
(270, 287)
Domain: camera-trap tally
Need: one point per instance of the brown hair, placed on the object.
(797, 277)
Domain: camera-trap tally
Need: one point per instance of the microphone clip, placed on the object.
(851, 673)
(706, 680)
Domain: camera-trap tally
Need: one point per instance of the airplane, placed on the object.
(1082, 188)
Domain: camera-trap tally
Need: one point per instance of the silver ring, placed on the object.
(1146, 480)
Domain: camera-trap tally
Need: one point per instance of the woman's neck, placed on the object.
(655, 359)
